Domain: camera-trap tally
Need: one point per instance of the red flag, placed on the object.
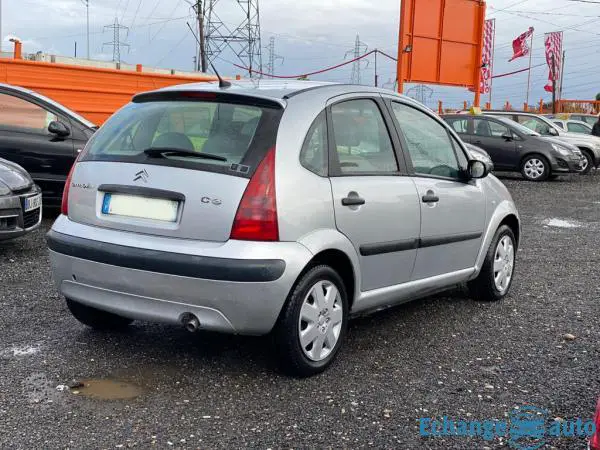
(520, 47)
(553, 44)
(487, 56)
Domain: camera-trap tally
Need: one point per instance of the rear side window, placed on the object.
(215, 136)
(314, 151)
(461, 126)
(362, 140)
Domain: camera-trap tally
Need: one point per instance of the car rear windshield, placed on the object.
(213, 136)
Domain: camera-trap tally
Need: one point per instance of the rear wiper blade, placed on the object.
(162, 151)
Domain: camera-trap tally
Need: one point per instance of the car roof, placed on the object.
(280, 91)
(476, 116)
(571, 121)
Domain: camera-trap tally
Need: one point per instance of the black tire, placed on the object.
(96, 318)
(590, 162)
(483, 288)
(546, 170)
(287, 334)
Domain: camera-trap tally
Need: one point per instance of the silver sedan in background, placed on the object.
(20, 201)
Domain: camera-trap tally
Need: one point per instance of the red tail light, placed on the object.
(64, 206)
(595, 439)
(256, 218)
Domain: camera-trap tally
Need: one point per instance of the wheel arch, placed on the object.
(334, 249)
(513, 223)
(504, 214)
(340, 262)
(590, 152)
(535, 152)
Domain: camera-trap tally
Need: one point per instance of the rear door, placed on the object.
(495, 138)
(375, 203)
(452, 209)
(132, 177)
(25, 139)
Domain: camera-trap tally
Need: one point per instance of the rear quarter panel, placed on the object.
(304, 199)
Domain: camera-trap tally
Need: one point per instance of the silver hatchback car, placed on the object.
(276, 208)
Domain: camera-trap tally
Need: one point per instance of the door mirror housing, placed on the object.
(552, 131)
(507, 137)
(477, 169)
(59, 129)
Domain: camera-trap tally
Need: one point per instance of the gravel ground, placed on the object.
(442, 356)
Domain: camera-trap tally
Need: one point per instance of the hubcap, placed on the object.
(534, 168)
(584, 164)
(504, 263)
(320, 320)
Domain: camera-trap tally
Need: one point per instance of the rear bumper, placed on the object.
(227, 294)
(14, 222)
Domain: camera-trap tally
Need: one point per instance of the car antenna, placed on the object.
(222, 83)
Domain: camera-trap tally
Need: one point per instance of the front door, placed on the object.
(452, 210)
(496, 139)
(25, 140)
(375, 203)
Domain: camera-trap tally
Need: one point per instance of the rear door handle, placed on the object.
(353, 201)
(430, 197)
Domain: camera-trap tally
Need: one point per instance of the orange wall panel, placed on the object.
(94, 93)
(440, 42)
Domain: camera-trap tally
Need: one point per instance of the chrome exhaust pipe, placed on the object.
(190, 322)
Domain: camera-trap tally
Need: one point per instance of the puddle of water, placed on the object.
(106, 389)
(26, 350)
(561, 223)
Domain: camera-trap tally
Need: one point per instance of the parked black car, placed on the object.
(41, 136)
(514, 147)
(20, 201)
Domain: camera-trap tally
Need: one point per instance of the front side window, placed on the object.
(499, 130)
(21, 115)
(314, 151)
(362, 140)
(535, 124)
(578, 128)
(428, 143)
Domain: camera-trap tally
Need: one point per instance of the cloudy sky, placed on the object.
(310, 35)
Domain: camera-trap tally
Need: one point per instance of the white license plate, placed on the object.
(32, 203)
(140, 207)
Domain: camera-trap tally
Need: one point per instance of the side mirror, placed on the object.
(477, 169)
(552, 131)
(507, 137)
(59, 129)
